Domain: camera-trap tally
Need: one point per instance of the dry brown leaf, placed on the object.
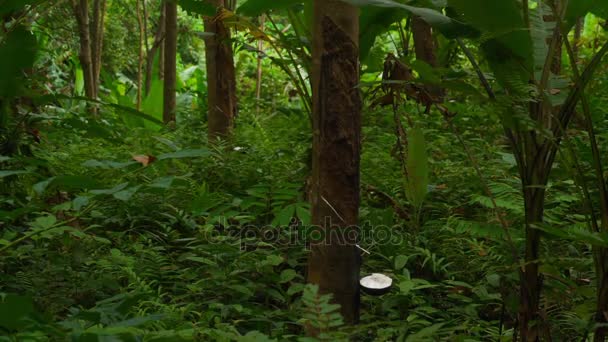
(144, 160)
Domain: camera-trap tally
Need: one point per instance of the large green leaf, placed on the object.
(78, 77)
(123, 109)
(576, 234)
(194, 153)
(540, 31)
(6, 173)
(500, 21)
(153, 104)
(373, 22)
(506, 42)
(449, 27)
(14, 310)
(66, 182)
(254, 8)
(580, 8)
(10, 6)
(200, 7)
(417, 167)
(17, 53)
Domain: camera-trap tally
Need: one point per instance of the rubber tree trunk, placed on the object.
(169, 97)
(221, 78)
(334, 260)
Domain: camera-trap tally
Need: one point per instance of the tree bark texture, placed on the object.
(334, 260)
(221, 78)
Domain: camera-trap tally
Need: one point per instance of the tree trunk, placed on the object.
(159, 40)
(601, 315)
(258, 83)
(534, 173)
(578, 32)
(81, 11)
(140, 61)
(530, 288)
(424, 45)
(426, 50)
(169, 97)
(221, 78)
(334, 260)
(97, 32)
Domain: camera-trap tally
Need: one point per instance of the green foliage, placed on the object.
(417, 167)
(321, 315)
(254, 8)
(198, 7)
(17, 53)
(116, 228)
(10, 6)
(446, 25)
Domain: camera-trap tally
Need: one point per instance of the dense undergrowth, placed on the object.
(99, 243)
(115, 229)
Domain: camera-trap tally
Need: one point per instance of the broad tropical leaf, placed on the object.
(17, 53)
(449, 27)
(200, 7)
(254, 8)
(417, 167)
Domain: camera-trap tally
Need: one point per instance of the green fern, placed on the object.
(320, 315)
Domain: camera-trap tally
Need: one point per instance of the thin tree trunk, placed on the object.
(140, 63)
(334, 261)
(601, 315)
(169, 97)
(81, 11)
(221, 78)
(530, 289)
(144, 7)
(578, 32)
(534, 173)
(159, 39)
(161, 55)
(97, 33)
(258, 84)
